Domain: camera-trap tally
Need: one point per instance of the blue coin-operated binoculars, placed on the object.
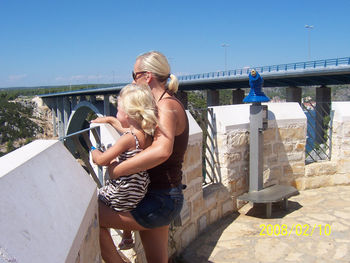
(258, 123)
(255, 95)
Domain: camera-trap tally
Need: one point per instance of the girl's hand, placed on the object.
(99, 120)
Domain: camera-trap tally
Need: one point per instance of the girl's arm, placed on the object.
(158, 152)
(112, 121)
(124, 143)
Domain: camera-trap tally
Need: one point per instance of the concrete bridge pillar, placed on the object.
(93, 99)
(66, 111)
(59, 103)
(323, 109)
(74, 101)
(82, 98)
(293, 94)
(212, 98)
(182, 96)
(237, 96)
(106, 105)
(54, 120)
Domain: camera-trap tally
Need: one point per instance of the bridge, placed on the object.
(70, 109)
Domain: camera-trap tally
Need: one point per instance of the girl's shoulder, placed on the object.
(141, 138)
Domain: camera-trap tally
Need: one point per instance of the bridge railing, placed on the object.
(272, 68)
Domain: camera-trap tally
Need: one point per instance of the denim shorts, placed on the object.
(159, 207)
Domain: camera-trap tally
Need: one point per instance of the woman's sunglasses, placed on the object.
(135, 74)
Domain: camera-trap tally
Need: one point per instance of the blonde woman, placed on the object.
(137, 113)
(163, 160)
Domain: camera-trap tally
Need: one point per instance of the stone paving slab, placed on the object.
(316, 228)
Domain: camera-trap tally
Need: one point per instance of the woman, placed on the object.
(163, 160)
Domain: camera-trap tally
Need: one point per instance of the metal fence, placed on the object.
(206, 120)
(319, 131)
(79, 144)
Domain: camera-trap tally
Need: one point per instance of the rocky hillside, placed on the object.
(22, 121)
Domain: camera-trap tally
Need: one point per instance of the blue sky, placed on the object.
(77, 42)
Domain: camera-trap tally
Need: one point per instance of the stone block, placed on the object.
(210, 200)
(188, 234)
(292, 133)
(228, 207)
(237, 139)
(343, 166)
(197, 205)
(214, 214)
(195, 173)
(321, 168)
(193, 155)
(276, 172)
(318, 181)
(202, 223)
(299, 183)
(294, 169)
(341, 179)
(185, 213)
(300, 147)
(270, 135)
(267, 150)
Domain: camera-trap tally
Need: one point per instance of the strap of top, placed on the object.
(136, 140)
(165, 91)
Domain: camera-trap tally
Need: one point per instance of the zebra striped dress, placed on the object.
(125, 192)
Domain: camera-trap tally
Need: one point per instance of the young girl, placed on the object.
(136, 112)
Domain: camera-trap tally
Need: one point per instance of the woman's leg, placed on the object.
(155, 244)
(108, 218)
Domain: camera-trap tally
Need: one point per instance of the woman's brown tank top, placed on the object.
(169, 174)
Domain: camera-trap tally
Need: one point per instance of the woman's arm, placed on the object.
(112, 121)
(124, 143)
(158, 152)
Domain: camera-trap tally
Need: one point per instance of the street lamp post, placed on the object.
(225, 46)
(309, 27)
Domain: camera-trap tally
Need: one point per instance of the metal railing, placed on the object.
(79, 143)
(273, 68)
(206, 120)
(319, 131)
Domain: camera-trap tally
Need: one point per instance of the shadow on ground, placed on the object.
(259, 210)
(216, 229)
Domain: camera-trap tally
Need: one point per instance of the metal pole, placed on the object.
(225, 46)
(309, 27)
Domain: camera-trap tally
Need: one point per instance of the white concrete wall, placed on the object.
(108, 136)
(48, 206)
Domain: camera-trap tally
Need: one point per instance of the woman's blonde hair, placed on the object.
(156, 62)
(138, 103)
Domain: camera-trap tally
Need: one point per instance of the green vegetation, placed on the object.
(15, 124)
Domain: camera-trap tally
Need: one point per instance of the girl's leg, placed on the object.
(108, 218)
(155, 244)
(127, 234)
(108, 251)
(127, 241)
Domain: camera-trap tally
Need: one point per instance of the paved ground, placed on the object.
(316, 228)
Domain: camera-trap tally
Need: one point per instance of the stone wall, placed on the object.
(284, 146)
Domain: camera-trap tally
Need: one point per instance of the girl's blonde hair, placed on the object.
(156, 62)
(138, 103)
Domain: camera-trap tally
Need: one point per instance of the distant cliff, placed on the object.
(21, 121)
